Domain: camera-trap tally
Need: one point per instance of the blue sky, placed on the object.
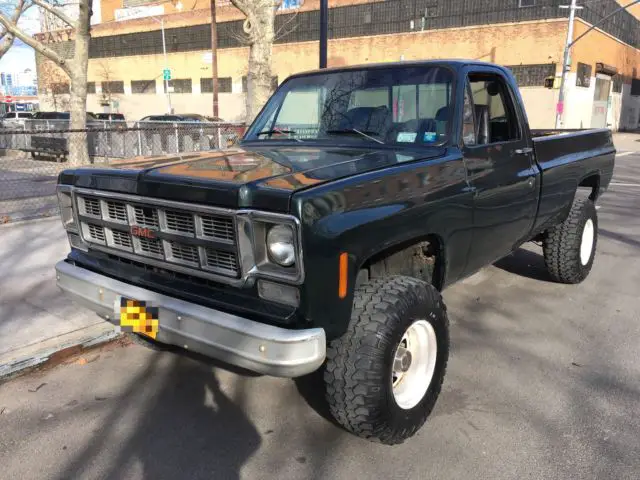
(21, 56)
(18, 58)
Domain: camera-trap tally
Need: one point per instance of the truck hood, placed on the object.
(247, 177)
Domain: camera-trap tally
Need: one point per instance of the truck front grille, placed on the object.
(180, 222)
(117, 211)
(201, 242)
(96, 232)
(121, 239)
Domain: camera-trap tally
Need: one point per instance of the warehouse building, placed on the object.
(127, 60)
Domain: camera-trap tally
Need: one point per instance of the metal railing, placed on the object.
(34, 152)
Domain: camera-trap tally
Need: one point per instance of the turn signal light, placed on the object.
(344, 270)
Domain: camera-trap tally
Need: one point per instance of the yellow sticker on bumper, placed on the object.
(138, 317)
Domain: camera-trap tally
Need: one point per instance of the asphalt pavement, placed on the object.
(543, 382)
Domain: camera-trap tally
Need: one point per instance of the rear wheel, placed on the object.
(384, 375)
(570, 247)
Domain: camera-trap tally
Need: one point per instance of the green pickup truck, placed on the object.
(324, 238)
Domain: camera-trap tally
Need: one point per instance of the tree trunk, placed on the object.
(78, 147)
(262, 36)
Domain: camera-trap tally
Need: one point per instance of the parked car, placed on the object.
(14, 119)
(111, 117)
(204, 132)
(55, 142)
(59, 116)
(325, 240)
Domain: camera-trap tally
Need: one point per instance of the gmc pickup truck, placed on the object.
(324, 238)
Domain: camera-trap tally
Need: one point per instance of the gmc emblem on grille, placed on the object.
(142, 232)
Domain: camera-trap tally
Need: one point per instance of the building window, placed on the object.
(583, 78)
(180, 85)
(91, 87)
(116, 86)
(143, 86)
(635, 87)
(533, 75)
(617, 83)
(527, 3)
(224, 85)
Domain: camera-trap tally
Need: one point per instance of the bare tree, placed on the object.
(6, 37)
(259, 31)
(75, 68)
(55, 85)
(106, 76)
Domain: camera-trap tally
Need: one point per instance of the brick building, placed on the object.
(126, 64)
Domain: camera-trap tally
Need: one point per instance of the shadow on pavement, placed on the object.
(189, 427)
(526, 264)
(632, 242)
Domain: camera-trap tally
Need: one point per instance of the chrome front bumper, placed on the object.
(236, 340)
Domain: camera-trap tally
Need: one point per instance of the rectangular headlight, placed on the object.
(65, 203)
(270, 246)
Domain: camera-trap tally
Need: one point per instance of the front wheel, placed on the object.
(384, 375)
(570, 247)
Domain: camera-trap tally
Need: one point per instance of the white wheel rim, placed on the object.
(586, 244)
(411, 374)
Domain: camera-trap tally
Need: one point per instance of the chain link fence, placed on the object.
(34, 152)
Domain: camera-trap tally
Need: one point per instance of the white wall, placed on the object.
(578, 105)
(540, 105)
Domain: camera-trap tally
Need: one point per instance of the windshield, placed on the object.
(395, 105)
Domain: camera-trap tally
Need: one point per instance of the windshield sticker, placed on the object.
(404, 158)
(406, 137)
(430, 137)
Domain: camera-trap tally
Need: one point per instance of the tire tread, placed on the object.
(352, 380)
(561, 244)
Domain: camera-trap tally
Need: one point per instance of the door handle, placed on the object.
(524, 151)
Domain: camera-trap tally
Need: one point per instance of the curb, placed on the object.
(28, 219)
(59, 347)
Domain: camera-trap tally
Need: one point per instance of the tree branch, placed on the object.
(55, 11)
(6, 37)
(241, 5)
(39, 47)
(283, 30)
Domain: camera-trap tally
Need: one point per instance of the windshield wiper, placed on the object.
(277, 130)
(348, 131)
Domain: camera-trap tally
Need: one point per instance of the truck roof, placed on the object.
(452, 63)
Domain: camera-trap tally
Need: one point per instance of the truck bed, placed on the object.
(567, 159)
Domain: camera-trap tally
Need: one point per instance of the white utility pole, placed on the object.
(566, 61)
(166, 66)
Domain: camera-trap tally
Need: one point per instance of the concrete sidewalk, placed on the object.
(36, 319)
(627, 141)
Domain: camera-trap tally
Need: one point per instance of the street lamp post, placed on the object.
(324, 21)
(178, 7)
(566, 61)
(214, 58)
(166, 67)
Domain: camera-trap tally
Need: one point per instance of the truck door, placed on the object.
(501, 168)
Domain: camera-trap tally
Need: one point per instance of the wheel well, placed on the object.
(421, 259)
(593, 182)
